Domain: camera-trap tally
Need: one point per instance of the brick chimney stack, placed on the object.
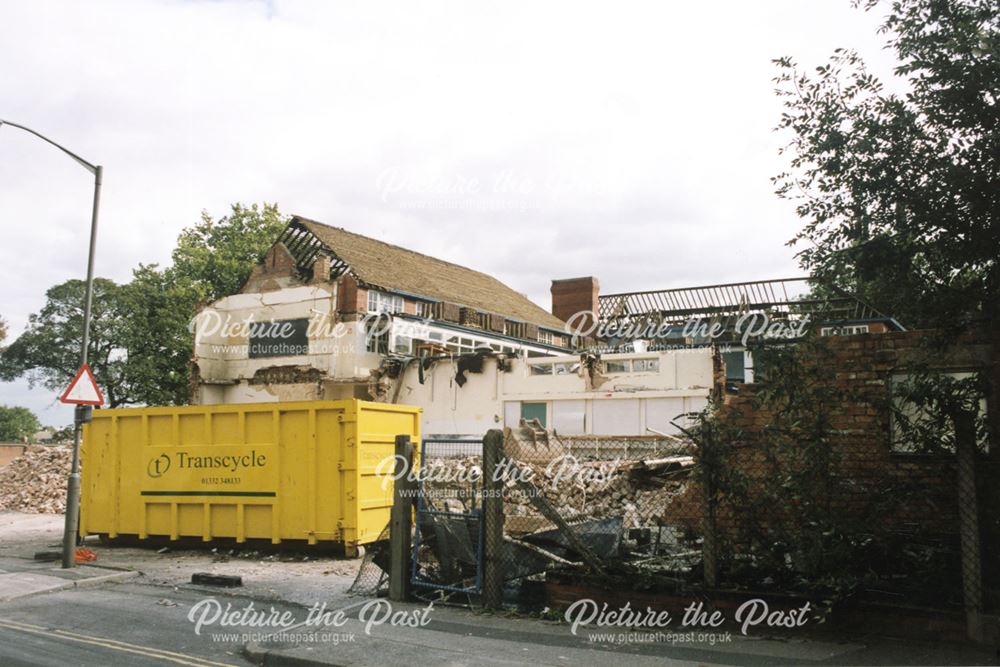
(573, 295)
(320, 269)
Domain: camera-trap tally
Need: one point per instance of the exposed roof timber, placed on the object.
(787, 297)
(305, 246)
(400, 270)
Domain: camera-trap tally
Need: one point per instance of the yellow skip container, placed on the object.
(276, 471)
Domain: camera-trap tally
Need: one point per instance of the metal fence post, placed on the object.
(492, 520)
(709, 545)
(401, 522)
(968, 517)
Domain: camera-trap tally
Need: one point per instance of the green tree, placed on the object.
(17, 424)
(63, 435)
(157, 335)
(212, 260)
(900, 192)
(48, 352)
(141, 345)
(216, 256)
(3, 329)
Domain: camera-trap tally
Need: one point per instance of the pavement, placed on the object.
(460, 637)
(138, 607)
(20, 577)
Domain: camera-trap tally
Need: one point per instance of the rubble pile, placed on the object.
(639, 491)
(36, 480)
(595, 490)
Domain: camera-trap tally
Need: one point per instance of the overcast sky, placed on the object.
(532, 141)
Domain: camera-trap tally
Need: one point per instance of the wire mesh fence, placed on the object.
(734, 504)
(604, 507)
(372, 579)
(448, 534)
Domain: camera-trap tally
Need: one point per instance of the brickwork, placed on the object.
(861, 367)
(352, 299)
(575, 295)
(451, 312)
(276, 271)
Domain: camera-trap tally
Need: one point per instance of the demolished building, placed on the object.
(330, 314)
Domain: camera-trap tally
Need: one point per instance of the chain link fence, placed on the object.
(800, 487)
(608, 505)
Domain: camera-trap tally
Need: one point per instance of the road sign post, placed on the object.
(84, 393)
(72, 504)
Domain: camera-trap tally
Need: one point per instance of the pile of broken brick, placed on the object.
(641, 491)
(36, 481)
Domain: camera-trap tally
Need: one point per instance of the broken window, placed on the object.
(617, 366)
(382, 302)
(646, 365)
(541, 369)
(279, 338)
(402, 345)
(567, 369)
(377, 335)
(850, 330)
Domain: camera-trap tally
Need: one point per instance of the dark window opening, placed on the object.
(279, 338)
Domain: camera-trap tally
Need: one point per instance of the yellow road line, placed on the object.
(170, 656)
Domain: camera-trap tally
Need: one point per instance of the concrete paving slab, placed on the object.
(20, 584)
(37, 581)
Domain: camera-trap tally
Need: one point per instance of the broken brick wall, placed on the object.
(864, 463)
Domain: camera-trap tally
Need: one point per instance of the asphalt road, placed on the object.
(142, 624)
(126, 624)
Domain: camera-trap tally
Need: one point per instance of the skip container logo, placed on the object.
(158, 466)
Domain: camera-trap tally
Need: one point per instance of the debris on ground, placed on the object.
(83, 555)
(640, 491)
(36, 480)
(222, 580)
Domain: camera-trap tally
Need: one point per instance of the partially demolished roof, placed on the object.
(381, 265)
(788, 298)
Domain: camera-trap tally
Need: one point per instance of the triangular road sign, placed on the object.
(83, 390)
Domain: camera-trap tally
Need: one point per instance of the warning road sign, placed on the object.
(83, 390)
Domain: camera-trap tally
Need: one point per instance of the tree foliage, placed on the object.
(215, 256)
(48, 352)
(141, 345)
(794, 510)
(17, 424)
(157, 335)
(900, 192)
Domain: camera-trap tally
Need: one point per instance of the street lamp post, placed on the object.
(81, 413)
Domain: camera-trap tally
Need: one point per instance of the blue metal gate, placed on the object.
(448, 536)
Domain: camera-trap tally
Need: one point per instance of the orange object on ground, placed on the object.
(85, 556)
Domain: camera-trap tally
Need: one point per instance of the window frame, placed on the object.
(385, 302)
